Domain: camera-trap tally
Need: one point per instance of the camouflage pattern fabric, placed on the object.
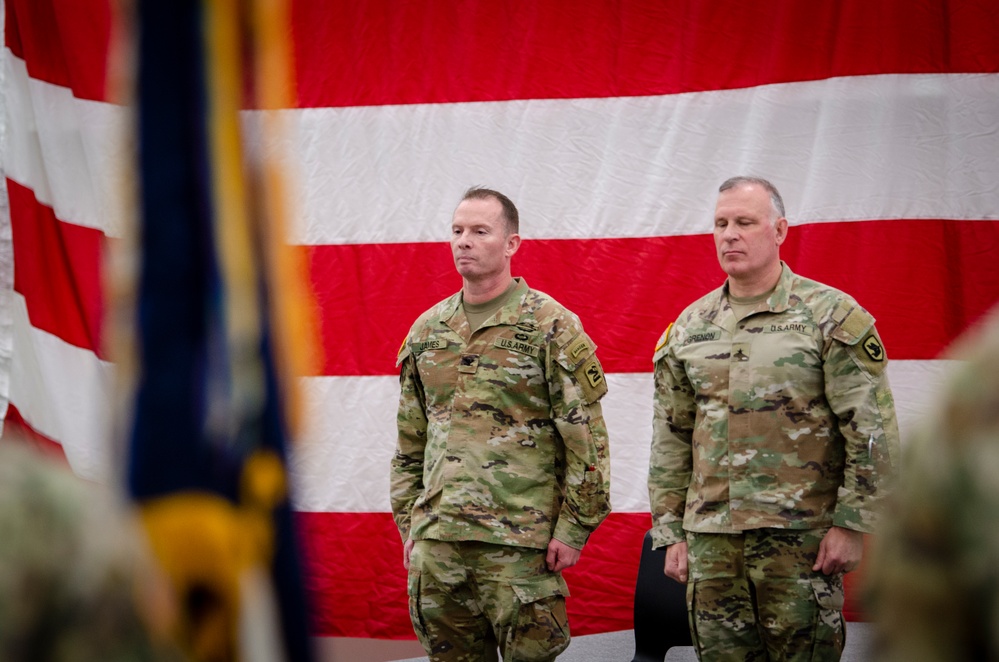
(784, 419)
(753, 596)
(76, 583)
(501, 434)
(468, 598)
(934, 572)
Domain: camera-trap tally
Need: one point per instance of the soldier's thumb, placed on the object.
(820, 558)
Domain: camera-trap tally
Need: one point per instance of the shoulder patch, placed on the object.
(663, 339)
(591, 379)
(872, 345)
(403, 352)
(870, 353)
(575, 351)
(578, 349)
(662, 344)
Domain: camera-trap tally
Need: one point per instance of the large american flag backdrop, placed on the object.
(611, 124)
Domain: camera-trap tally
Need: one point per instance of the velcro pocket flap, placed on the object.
(538, 588)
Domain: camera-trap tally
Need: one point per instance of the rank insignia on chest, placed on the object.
(468, 363)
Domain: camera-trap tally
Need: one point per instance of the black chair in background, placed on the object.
(660, 608)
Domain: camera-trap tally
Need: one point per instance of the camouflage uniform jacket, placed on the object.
(933, 581)
(501, 434)
(784, 419)
(77, 580)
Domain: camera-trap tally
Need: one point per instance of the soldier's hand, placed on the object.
(676, 562)
(407, 549)
(840, 551)
(561, 556)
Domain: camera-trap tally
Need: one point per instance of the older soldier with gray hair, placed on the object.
(774, 435)
(501, 471)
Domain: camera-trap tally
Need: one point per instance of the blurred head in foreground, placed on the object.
(76, 582)
(934, 583)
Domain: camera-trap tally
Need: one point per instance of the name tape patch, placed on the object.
(518, 346)
(701, 337)
(784, 328)
(428, 344)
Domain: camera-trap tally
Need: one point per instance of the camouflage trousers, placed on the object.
(467, 599)
(754, 596)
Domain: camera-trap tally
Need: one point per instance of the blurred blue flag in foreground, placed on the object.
(216, 316)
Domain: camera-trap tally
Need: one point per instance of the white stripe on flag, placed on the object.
(341, 462)
(872, 147)
(886, 147)
(65, 393)
(72, 153)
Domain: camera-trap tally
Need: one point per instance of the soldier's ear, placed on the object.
(781, 230)
(512, 244)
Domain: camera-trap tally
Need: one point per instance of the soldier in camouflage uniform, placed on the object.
(935, 569)
(501, 471)
(774, 434)
(76, 582)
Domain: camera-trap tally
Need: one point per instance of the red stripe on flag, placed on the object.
(58, 270)
(354, 576)
(392, 51)
(602, 584)
(82, 31)
(15, 428)
(357, 585)
(925, 281)
(358, 589)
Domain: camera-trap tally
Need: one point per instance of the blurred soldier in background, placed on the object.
(934, 578)
(76, 581)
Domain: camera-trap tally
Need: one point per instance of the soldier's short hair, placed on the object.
(775, 200)
(510, 213)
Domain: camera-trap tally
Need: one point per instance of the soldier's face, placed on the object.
(479, 241)
(747, 240)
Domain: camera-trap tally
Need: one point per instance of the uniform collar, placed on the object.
(454, 316)
(778, 302)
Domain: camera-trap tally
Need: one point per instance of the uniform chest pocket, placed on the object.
(786, 348)
(783, 375)
(513, 359)
(438, 368)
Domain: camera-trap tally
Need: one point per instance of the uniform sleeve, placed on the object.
(858, 393)
(406, 481)
(919, 587)
(576, 385)
(932, 578)
(671, 458)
